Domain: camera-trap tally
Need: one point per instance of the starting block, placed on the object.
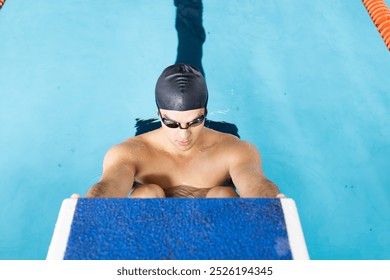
(178, 229)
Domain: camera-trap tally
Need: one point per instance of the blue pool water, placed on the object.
(305, 81)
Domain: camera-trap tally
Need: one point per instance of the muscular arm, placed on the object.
(246, 172)
(118, 174)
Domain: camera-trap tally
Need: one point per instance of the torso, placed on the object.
(204, 167)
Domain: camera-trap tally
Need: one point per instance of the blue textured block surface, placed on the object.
(156, 229)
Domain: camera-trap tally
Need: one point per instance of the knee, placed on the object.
(148, 191)
(221, 192)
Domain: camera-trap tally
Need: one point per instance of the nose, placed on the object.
(184, 133)
(184, 127)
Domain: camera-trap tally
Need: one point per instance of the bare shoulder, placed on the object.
(233, 148)
(244, 151)
(242, 146)
(221, 138)
(128, 150)
(235, 145)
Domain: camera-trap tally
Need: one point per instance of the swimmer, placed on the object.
(183, 158)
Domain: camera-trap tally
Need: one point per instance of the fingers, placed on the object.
(280, 196)
(75, 196)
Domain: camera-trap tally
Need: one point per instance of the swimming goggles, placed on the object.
(172, 124)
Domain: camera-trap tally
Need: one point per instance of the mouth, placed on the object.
(184, 143)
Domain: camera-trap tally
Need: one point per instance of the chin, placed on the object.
(184, 147)
(181, 148)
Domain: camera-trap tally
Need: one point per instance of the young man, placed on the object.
(183, 158)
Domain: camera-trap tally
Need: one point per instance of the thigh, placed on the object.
(222, 192)
(147, 191)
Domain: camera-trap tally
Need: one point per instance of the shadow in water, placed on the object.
(143, 126)
(190, 32)
(191, 36)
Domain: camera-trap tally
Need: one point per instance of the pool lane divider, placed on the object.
(380, 15)
(178, 229)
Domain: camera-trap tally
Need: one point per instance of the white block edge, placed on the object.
(62, 228)
(294, 230)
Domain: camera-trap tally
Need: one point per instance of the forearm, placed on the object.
(96, 190)
(261, 189)
(102, 189)
(268, 189)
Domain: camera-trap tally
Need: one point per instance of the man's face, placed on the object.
(191, 123)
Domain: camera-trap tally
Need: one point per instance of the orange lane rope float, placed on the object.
(380, 15)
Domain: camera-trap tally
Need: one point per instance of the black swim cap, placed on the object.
(181, 87)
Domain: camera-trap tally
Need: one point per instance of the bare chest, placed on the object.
(204, 170)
